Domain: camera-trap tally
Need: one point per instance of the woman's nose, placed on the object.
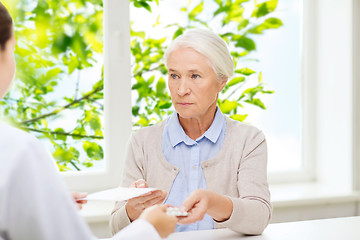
(183, 88)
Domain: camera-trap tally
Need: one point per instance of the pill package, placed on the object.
(177, 212)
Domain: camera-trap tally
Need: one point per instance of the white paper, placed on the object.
(118, 194)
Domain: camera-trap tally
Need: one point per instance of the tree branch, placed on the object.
(235, 90)
(74, 165)
(62, 133)
(77, 85)
(99, 104)
(87, 96)
(145, 71)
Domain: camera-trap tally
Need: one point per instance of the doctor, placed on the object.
(34, 203)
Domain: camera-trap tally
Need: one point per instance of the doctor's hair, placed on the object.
(6, 26)
(210, 45)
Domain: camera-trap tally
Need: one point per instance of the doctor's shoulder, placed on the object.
(15, 140)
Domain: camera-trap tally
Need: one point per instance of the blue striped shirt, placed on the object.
(187, 154)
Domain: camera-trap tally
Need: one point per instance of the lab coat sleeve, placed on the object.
(139, 229)
(38, 206)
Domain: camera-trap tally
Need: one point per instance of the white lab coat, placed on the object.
(34, 203)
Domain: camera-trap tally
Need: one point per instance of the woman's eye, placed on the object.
(174, 76)
(195, 76)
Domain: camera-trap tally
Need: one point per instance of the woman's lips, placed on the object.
(184, 103)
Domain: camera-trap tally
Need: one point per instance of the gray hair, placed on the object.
(208, 44)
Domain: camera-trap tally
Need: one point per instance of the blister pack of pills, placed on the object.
(177, 212)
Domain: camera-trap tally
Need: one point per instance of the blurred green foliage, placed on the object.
(57, 41)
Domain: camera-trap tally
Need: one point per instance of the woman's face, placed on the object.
(192, 83)
(7, 66)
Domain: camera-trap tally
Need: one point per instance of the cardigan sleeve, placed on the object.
(133, 171)
(252, 210)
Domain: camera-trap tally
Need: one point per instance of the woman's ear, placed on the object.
(223, 81)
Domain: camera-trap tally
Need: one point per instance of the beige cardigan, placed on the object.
(237, 171)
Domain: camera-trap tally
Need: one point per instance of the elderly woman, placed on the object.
(212, 166)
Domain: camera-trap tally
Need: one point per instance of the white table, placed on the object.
(327, 229)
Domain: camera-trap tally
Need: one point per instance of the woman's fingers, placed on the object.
(197, 205)
(195, 214)
(148, 196)
(140, 183)
(156, 200)
(78, 195)
(135, 206)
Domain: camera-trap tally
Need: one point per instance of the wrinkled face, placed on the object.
(192, 83)
(7, 66)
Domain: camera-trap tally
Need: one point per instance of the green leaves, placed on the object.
(49, 75)
(66, 155)
(142, 4)
(196, 11)
(264, 8)
(227, 106)
(245, 71)
(256, 102)
(160, 88)
(178, 32)
(270, 23)
(239, 117)
(93, 150)
(50, 50)
(92, 119)
(245, 42)
(60, 134)
(235, 81)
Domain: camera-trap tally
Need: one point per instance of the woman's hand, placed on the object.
(135, 206)
(78, 195)
(163, 223)
(201, 202)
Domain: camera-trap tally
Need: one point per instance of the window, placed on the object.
(63, 51)
(117, 100)
(278, 55)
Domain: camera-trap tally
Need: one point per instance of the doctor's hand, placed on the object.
(201, 202)
(135, 206)
(163, 223)
(78, 195)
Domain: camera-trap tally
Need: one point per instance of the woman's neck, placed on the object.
(197, 126)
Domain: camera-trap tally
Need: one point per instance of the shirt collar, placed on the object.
(177, 134)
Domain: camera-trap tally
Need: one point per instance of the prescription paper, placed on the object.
(118, 194)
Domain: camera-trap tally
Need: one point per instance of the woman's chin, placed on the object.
(185, 114)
